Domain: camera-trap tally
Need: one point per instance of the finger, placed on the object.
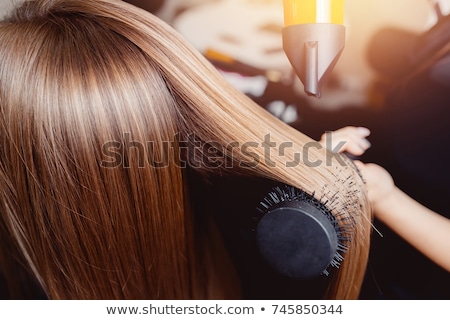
(360, 165)
(346, 141)
(357, 132)
(363, 132)
(356, 148)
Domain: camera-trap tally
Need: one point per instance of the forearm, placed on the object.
(424, 229)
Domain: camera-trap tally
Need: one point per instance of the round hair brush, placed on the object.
(297, 235)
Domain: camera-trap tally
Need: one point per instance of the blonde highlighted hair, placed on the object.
(77, 74)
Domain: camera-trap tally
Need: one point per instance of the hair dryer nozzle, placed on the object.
(313, 50)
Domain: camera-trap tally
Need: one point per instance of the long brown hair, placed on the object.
(84, 86)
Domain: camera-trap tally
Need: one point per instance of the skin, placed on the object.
(354, 138)
(424, 229)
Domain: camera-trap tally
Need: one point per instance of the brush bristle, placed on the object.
(342, 226)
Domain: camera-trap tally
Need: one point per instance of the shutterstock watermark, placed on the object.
(195, 153)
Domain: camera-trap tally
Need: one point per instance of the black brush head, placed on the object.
(297, 235)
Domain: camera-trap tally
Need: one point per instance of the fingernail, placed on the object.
(367, 143)
(363, 131)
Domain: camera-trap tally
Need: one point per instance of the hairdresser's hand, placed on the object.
(379, 183)
(348, 139)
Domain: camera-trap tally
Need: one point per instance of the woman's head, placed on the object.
(71, 85)
(102, 108)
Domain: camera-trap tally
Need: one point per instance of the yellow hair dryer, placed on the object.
(313, 39)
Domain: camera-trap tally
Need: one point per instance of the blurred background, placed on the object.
(393, 77)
